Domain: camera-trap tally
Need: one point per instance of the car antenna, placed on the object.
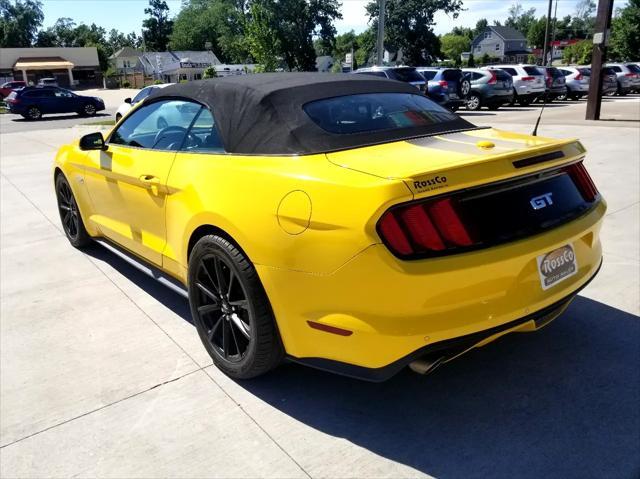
(535, 129)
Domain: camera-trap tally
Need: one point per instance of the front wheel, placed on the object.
(70, 214)
(33, 113)
(524, 101)
(88, 110)
(231, 310)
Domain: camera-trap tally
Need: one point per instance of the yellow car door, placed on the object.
(127, 181)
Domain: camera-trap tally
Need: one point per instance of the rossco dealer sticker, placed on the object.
(557, 266)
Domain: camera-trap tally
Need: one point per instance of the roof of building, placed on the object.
(264, 114)
(126, 52)
(41, 63)
(507, 33)
(78, 56)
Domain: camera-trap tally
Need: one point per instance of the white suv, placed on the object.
(528, 82)
(628, 77)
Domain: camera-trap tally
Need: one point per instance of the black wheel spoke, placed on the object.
(207, 291)
(209, 277)
(237, 321)
(208, 308)
(215, 327)
(241, 303)
(222, 283)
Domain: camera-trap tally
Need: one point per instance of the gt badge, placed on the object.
(542, 201)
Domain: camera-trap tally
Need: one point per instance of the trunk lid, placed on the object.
(437, 164)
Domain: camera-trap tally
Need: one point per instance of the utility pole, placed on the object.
(380, 42)
(600, 41)
(546, 35)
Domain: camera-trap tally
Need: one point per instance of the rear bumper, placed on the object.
(395, 309)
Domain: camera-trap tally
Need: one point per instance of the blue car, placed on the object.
(33, 102)
(448, 87)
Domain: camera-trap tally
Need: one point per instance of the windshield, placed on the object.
(585, 71)
(633, 68)
(375, 112)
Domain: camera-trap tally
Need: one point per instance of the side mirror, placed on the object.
(127, 100)
(92, 141)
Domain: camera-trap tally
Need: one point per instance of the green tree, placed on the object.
(453, 45)
(262, 38)
(19, 22)
(366, 47)
(481, 25)
(579, 53)
(625, 33)
(486, 59)
(221, 23)
(157, 27)
(520, 19)
(535, 35)
(409, 26)
(287, 27)
(344, 44)
(209, 72)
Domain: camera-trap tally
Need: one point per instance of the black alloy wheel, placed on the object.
(563, 96)
(231, 311)
(70, 214)
(34, 113)
(89, 109)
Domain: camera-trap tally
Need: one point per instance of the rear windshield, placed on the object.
(633, 68)
(428, 74)
(555, 73)
(502, 75)
(406, 74)
(452, 75)
(608, 71)
(533, 71)
(370, 112)
(585, 71)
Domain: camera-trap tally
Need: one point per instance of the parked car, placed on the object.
(555, 84)
(609, 81)
(141, 95)
(576, 82)
(449, 87)
(528, 82)
(345, 223)
(10, 86)
(403, 74)
(628, 77)
(48, 82)
(490, 88)
(33, 102)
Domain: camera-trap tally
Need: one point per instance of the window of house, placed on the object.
(197, 76)
(487, 34)
(497, 46)
(183, 76)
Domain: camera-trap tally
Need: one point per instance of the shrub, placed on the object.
(158, 82)
(126, 85)
(209, 72)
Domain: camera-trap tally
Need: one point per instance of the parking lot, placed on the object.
(103, 373)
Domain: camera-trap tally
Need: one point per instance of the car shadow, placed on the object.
(56, 117)
(562, 402)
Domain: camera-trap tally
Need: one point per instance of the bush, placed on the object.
(209, 72)
(184, 81)
(126, 85)
(158, 82)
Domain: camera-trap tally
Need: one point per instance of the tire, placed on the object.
(564, 96)
(89, 109)
(473, 102)
(524, 101)
(33, 113)
(465, 88)
(239, 332)
(70, 216)
(118, 117)
(620, 92)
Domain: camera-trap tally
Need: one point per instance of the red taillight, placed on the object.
(528, 78)
(443, 84)
(494, 78)
(426, 227)
(579, 76)
(393, 234)
(13, 101)
(631, 75)
(421, 228)
(583, 181)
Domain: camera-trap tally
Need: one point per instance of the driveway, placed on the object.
(102, 373)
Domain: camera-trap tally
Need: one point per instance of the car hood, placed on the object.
(465, 156)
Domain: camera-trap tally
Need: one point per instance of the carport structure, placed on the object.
(52, 66)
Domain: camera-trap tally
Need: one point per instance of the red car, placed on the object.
(9, 87)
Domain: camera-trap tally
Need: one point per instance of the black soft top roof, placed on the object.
(263, 113)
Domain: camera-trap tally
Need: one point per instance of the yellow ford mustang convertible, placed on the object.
(343, 222)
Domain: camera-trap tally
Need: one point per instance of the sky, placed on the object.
(127, 15)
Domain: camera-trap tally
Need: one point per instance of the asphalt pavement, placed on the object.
(102, 373)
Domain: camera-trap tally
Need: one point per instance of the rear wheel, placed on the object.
(473, 102)
(465, 88)
(524, 101)
(564, 96)
(231, 311)
(33, 113)
(70, 214)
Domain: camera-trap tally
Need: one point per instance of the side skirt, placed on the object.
(146, 268)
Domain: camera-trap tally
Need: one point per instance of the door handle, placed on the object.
(151, 182)
(150, 179)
